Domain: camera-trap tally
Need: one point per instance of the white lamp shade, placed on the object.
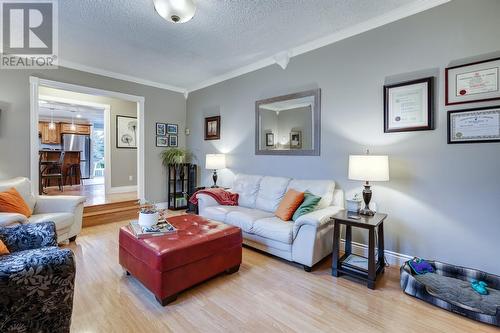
(215, 161)
(369, 167)
(175, 11)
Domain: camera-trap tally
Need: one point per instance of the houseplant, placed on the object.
(148, 214)
(175, 156)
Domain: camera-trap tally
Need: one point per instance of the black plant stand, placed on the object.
(181, 183)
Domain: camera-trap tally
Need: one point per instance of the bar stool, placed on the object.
(73, 173)
(52, 170)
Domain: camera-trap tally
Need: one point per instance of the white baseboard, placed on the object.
(123, 189)
(162, 205)
(392, 258)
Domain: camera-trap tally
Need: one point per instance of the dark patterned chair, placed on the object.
(36, 280)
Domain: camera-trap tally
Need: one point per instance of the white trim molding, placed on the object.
(389, 17)
(392, 258)
(123, 189)
(118, 76)
(35, 82)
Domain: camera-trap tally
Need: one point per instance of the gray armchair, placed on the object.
(36, 280)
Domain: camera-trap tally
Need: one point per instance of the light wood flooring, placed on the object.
(266, 295)
(94, 193)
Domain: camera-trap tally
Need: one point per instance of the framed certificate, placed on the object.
(409, 106)
(474, 82)
(474, 125)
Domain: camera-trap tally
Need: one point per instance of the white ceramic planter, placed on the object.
(148, 220)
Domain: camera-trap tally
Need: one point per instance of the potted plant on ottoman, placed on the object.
(148, 214)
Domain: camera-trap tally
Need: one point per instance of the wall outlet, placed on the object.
(130, 178)
(187, 131)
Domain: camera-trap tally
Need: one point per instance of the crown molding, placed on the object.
(392, 16)
(119, 76)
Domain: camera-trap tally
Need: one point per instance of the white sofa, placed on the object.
(64, 210)
(305, 241)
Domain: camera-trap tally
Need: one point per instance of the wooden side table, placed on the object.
(350, 264)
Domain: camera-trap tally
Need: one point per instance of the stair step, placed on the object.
(110, 212)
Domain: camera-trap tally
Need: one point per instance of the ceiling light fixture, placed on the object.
(72, 127)
(52, 125)
(175, 11)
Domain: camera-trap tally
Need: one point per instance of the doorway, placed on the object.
(69, 106)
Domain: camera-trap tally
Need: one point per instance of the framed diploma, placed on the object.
(409, 106)
(474, 125)
(474, 82)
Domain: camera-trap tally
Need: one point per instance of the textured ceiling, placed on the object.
(130, 38)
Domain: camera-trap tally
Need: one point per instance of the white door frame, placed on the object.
(36, 82)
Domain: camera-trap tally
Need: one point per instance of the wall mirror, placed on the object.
(289, 125)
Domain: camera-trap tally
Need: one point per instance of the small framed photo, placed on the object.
(162, 141)
(473, 82)
(212, 128)
(474, 125)
(161, 129)
(295, 140)
(269, 139)
(172, 141)
(409, 106)
(172, 129)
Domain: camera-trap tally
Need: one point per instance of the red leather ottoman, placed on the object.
(168, 264)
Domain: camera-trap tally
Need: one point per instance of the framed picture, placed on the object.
(161, 129)
(269, 139)
(172, 141)
(172, 129)
(212, 128)
(474, 82)
(126, 132)
(409, 106)
(295, 140)
(162, 141)
(474, 125)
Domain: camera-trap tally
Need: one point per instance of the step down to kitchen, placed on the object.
(110, 212)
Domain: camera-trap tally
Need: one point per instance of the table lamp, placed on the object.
(368, 168)
(215, 162)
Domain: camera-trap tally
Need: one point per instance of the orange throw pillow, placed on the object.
(3, 248)
(12, 202)
(291, 201)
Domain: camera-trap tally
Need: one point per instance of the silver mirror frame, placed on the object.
(316, 93)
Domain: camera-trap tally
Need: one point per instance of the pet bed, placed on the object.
(449, 287)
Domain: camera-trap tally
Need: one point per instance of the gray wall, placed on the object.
(123, 161)
(160, 106)
(442, 199)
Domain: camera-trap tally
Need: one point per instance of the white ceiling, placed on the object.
(67, 112)
(225, 38)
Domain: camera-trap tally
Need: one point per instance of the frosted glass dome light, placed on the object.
(175, 11)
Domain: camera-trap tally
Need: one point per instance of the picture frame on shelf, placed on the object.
(172, 129)
(162, 141)
(409, 106)
(126, 132)
(172, 141)
(212, 128)
(473, 82)
(161, 129)
(295, 139)
(478, 125)
(269, 139)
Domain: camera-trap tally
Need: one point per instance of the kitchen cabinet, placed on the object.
(79, 129)
(49, 136)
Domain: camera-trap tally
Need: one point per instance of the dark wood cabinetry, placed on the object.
(181, 184)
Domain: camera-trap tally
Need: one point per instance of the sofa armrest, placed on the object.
(57, 204)
(29, 236)
(205, 201)
(7, 219)
(318, 218)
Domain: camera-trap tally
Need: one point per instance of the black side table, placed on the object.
(350, 264)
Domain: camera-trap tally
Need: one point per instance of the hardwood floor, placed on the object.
(94, 193)
(266, 295)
